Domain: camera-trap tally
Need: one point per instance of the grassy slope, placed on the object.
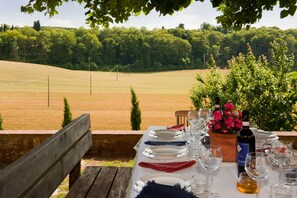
(23, 99)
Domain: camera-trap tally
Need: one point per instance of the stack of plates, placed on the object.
(165, 152)
(165, 134)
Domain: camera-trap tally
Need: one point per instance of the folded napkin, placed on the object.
(162, 143)
(168, 167)
(155, 190)
(179, 127)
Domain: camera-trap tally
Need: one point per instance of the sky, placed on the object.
(71, 14)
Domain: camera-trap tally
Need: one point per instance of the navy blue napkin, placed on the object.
(162, 143)
(154, 190)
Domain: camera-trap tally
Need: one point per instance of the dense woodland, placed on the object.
(135, 49)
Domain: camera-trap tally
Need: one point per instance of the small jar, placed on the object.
(246, 184)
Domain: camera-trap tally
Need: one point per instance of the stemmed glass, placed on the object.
(281, 153)
(210, 159)
(194, 123)
(192, 117)
(205, 115)
(257, 166)
(192, 143)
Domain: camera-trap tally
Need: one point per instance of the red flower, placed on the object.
(217, 126)
(217, 116)
(239, 113)
(229, 106)
(229, 122)
(226, 122)
(224, 130)
(238, 123)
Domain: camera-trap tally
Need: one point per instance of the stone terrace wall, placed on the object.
(106, 144)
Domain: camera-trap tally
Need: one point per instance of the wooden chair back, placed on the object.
(182, 117)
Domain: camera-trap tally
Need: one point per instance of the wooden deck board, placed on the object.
(84, 183)
(103, 182)
(120, 183)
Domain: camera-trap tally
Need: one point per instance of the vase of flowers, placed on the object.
(223, 130)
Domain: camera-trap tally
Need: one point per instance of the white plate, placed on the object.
(166, 179)
(165, 150)
(164, 153)
(165, 134)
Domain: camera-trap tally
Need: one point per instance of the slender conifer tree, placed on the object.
(67, 113)
(135, 112)
(1, 121)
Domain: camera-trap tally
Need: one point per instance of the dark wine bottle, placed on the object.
(246, 141)
(217, 106)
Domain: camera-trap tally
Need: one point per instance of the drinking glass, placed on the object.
(205, 115)
(281, 153)
(199, 184)
(282, 192)
(210, 159)
(246, 184)
(287, 186)
(192, 117)
(257, 166)
(263, 146)
(193, 148)
(195, 125)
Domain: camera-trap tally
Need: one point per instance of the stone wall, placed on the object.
(106, 144)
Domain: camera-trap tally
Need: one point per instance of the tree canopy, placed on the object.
(137, 50)
(264, 86)
(234, 13)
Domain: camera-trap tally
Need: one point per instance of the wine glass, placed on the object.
(289, 179)
(281, 153)
(192, 117)
(257, 166)
(210, 159)
(194, 123)
(205, 115)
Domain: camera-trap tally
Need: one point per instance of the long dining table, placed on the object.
(224, 181)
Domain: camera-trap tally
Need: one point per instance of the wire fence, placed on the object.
(48, 83)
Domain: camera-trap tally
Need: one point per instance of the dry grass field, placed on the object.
(24, 96)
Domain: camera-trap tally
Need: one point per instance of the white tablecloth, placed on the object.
(224, 182)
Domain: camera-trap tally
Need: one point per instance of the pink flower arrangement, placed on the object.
(227, 122)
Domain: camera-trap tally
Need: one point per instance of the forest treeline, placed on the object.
(136, 49)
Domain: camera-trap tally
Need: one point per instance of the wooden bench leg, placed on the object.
(74, 174)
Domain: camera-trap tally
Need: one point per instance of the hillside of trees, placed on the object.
(138, 50)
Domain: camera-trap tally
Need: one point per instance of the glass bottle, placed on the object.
(217, 106)
(246, 142)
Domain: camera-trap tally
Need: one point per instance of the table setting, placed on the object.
(178, 161)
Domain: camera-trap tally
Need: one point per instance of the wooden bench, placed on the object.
(39, 172)
(105, 181)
